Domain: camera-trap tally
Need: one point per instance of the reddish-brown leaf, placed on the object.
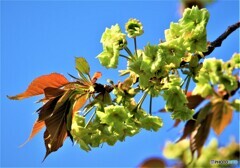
(162, 110)
(198, 129)
(177, 122)
(193, 100)
(153, 163)
(222, 115)
(51, 92)
(47, 109)
(56, 126)
(57, 114)
(57, 119)
(39, 84)
(51, 144)
(38, 125)
(203, 113)
(46, 137)
(96, 76)
(200, 134)
(79, 101)
(56, 131)
(188, 129)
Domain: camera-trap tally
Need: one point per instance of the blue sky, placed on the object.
(40, 37)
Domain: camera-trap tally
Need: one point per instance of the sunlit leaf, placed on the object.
(39, 84)
(96, 76)
(78, 103)
(222, 115)
(82, 65)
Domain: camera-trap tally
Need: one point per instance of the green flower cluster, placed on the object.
(113, 40)
(111, 124)
(183, 39)
(155, 61)
(191, 29)
(134, 28)
(176, 100)
(181, 152)
(235, 61)
(124, 93)
(216, 72)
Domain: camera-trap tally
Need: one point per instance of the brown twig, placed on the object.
(219, 40)
(211, 47)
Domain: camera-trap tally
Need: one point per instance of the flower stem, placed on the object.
(185, 79)
(128, 51)
(187, 84)
(90, 119)
(86, 113)
(124, 56)
(150, 105)
(135, 44)
(142, 100)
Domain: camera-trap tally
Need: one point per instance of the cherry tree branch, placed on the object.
(218, 42)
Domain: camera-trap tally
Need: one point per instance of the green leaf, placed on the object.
(82, 65)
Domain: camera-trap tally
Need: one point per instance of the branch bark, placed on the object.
(221, 38)
(216, 43)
